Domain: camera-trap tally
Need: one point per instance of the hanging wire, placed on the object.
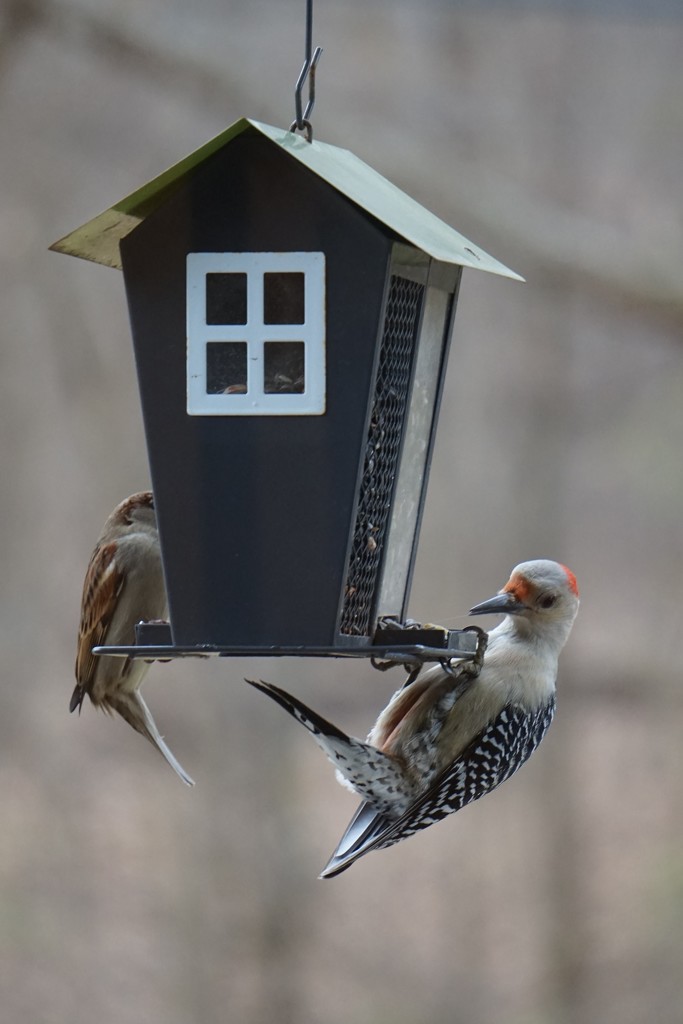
(302, 121)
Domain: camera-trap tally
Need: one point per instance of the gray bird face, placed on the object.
(139, 510)
(541, 589)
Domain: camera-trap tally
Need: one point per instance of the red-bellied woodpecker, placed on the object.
(448, 738)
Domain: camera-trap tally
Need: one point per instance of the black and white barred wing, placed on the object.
(489, 760)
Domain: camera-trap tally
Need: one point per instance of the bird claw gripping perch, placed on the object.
(463, 671)
(474, 665)
(413, 644)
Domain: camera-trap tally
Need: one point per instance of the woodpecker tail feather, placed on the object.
(369, 830)
(376, 776)
(133, 709)
(364, 829)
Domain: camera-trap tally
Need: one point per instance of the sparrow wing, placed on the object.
(101, 590)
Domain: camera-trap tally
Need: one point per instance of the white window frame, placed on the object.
(255, 402)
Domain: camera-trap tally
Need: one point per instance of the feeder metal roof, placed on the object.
(98, 239)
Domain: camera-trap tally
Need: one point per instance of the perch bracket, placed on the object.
(394, 643)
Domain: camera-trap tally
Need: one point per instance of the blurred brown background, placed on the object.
(552, 135)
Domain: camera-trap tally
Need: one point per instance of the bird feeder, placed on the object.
(291, 314)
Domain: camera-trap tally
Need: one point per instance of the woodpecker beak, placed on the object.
(506, 603)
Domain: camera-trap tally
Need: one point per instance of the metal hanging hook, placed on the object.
(302, 121)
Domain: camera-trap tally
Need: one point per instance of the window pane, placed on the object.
(226, 368)
(283, 298)
(283, 368)
(226, 298)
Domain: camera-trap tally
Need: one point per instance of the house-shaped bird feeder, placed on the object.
(291, 314)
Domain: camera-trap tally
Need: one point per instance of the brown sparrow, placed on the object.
(124, 584)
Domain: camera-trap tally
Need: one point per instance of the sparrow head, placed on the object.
(542, 592)
(138, 509)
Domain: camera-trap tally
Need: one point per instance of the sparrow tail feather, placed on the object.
(133, 709)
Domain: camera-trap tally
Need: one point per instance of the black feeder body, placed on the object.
(291, 314)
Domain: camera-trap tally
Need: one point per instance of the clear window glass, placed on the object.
(283, 368)
(283, 298)
(226, 367)
(226, 298)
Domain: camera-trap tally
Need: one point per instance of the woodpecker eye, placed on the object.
(548, 601)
